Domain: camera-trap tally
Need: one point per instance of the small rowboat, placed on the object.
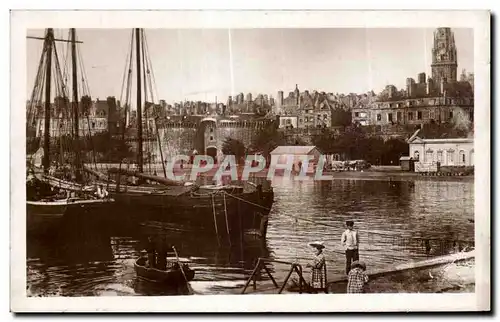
(172, 276)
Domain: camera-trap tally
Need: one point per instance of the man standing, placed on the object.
(150, 248)
(350, 242)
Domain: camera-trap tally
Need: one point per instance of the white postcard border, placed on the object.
(479, 20)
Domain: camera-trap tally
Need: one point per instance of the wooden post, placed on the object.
(271, 276)
(300, 281)
(251, 276)
(286, 279)
(298, 269)
(264, 220)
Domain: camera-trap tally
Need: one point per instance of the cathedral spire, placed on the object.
(444, 56)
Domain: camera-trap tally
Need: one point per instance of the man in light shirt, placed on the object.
(350, 242)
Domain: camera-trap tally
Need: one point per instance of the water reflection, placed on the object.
(398, 221)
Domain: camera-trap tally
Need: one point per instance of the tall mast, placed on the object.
(139, 99)
(75, 102)
(49, 41)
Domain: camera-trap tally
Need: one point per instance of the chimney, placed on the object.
(421, 78)
(390, 90)
(410, 84)
(430, 83)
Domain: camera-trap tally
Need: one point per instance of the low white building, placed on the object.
(284, 153)
(428, 152)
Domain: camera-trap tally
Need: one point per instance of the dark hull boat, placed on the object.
(171, 277)
(44, 215)
(50, 199)
(210, 209)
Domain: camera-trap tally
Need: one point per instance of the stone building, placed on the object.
(181, 135)
(452, 150)
(308, 110)
(440, 98)
(94, 117)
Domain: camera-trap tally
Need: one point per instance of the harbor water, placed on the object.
(398, 221)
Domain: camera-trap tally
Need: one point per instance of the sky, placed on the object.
(202, 64)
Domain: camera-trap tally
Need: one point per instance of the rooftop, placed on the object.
(293, 149)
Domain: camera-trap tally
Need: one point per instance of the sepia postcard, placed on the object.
(250, 161)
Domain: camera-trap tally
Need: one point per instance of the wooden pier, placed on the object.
(338, 284)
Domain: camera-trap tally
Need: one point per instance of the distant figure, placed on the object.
(150, 248)
(350, 242)
(318, 268)
(162, 250)
(357, 278)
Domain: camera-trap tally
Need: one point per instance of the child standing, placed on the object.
(357, 278)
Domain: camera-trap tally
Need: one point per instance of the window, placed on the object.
(419, 115)
(451, 114)
(211, 130)
(93, 125)
(398, 116)
(211, 138)
(429, 154)
(410, 116)
(288, 121)
(416, 155)
(450, 157)
(325, 116)
(462, 156)
(379, 117)
(389, 117)
(432, 115)
(356, 114)
(440, 156)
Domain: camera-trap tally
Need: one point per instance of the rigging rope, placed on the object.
(85, 83)
(127, 70)
(336, 226)
(215, 219)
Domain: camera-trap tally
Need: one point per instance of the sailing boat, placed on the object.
(49, 198)
(217, 208)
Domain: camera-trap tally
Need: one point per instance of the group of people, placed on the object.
(157, 253)
(354, 269)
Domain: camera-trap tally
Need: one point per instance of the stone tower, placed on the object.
(444, 56)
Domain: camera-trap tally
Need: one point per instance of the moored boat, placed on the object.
(42, 215)
(48, 198)
(213, 208)
(173, 276)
